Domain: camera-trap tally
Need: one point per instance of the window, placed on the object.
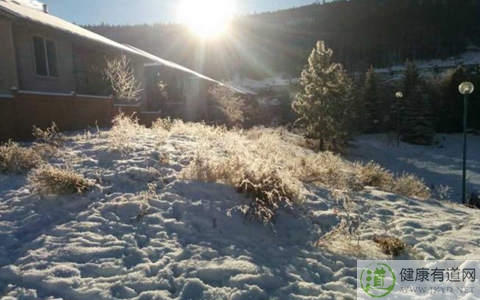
(45, 57)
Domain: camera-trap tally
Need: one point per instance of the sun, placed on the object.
(206, 18)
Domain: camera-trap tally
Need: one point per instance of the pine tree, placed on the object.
(417, 119)
(372, 117)
(325, 101)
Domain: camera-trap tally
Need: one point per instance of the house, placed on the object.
(52, 70)
(44, 53)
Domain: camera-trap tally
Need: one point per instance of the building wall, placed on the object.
(23, 34)
(8, 71)
(89, 64)
(21, 111)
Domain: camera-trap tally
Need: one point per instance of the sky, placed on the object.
(85, 12)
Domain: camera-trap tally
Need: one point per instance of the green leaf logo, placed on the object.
(377, 280)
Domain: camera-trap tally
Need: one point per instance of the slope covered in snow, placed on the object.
(143, 232)
(439, 165)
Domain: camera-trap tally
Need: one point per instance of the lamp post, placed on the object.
(465, 88)
(399, 96)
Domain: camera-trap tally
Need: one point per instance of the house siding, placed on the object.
(8, 71)
(23, 34)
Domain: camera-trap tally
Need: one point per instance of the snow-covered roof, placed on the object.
(160, 61)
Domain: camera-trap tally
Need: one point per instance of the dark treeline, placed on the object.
(360, 32)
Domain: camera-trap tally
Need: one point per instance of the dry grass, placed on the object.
(275, 165)
(372, 174)
(267, 188)
(232, 158)
(17, 159)
(48, 179)
(266, 164)
(124, 133)
(164, 124)
(391, 245)
(411, 186)
(51, 135)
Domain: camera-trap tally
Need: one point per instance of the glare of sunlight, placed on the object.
(206, 18)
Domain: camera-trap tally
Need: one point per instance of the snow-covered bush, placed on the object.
(411, 186)
(257, 163)
(163, 124)
(17, 159)
(328, 169)
(268, 188)
(230, 108)
(372, 174)
(121, 77)
(48, 179)
(124, 132)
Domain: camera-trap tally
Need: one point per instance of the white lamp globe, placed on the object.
(466, 88)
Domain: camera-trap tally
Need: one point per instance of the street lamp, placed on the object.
(465, 88)
(399, 96)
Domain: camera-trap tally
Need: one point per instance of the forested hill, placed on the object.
(361, 32)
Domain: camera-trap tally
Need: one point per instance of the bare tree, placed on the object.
(120, 75)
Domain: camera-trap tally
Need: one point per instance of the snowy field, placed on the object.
(144, 233)
(439, 165)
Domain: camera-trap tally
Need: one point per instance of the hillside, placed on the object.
(160, 219)
(361, 33)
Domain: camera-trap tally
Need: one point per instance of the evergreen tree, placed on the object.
(417, 120)
(325, 101)
(372, 116)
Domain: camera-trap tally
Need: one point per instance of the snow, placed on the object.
(252, 86)
(31, 3)
(439, 165)
(143, 233)
(468, 58)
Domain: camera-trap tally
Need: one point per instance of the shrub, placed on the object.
(411, 186)
(48, 179)
(269, 166)
(329, 170)
(407, 185)
(121, 77)
(390, 245)
(51, 135)
(17, 159)
(268, 192)
(230, 108)
(372, 174)
(124, 133)
(164, 124)
(268, 186)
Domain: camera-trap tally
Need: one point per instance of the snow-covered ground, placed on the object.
(439, 165)
(468, 58)
(252, 86)
(143, 233)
